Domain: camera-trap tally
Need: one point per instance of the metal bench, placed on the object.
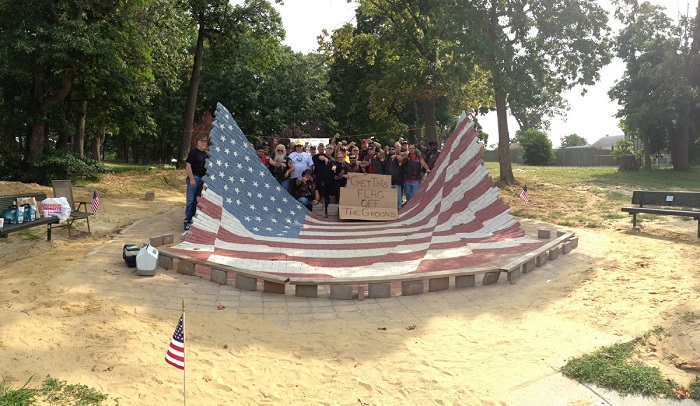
(684, 201)
(9, 200)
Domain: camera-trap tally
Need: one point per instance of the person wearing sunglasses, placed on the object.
(281, 167)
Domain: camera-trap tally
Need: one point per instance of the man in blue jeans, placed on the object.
(412, 178)
(195, 169)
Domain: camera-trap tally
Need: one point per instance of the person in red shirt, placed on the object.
(264, 158)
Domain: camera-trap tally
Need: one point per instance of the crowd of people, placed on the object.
(314, 173)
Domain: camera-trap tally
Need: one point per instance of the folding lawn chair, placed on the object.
(63, 188)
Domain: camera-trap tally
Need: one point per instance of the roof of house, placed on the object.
(607, 142)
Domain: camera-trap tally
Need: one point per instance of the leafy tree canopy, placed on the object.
(573, 140)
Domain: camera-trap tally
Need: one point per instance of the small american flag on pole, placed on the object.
(176, 352)
(95, 202)
(524, 195)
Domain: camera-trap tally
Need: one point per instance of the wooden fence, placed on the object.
(573, 156)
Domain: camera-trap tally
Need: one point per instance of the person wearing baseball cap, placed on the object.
(301, 161)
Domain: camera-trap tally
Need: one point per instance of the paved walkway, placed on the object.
(168, 288)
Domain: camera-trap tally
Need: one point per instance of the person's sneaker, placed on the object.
(187, 226)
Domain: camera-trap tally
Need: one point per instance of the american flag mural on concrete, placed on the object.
(245, 219)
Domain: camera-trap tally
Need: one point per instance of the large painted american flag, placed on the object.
(245, 219)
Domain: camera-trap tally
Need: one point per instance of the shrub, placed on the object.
(537, 148)
(56, 165)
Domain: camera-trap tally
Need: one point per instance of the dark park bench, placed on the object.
(9, 200)
(667, 203)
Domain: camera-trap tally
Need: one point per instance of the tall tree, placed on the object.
(217, 20)
(61, 49)
(528, 44)
(166, 26)
(658, 90)
(417, 43)
(42, 49)
(352, 69)
(647, 42)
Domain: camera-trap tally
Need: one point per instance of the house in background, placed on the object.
(607, 142)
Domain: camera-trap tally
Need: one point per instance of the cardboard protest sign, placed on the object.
(368, 197)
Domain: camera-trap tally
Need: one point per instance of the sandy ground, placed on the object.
(473, 348)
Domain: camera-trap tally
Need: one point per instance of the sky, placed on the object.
(591, 116)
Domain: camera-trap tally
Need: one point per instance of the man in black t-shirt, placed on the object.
(396, 167)
(324, 171)
(195, 169)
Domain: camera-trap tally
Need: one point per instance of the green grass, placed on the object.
(52, 391)
(612, 367)
(21, 396)
(586, 196)
(604, 177)
(125, 168)
(614, 216)
(28, 235)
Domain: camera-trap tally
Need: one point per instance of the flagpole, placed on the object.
(184, 367)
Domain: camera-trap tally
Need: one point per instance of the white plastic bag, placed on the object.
(56, 206)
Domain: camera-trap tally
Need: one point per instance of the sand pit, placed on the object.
(72, 309)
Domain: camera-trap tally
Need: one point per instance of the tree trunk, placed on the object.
(64, 139)
(79, 139)
(97, 141)
(504, 164)
(125, 149)
(627, 163)
(679, 140)
(417, 133)
(430, 121)
(506, 169)
(647, 152)
(188, 119)
(36, 139)
(43, 105)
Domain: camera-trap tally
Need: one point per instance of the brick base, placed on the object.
(491, 277)
(306, 290)
(218, 276)
(165, 262)
(410, 288)
(530, 265)
(246, 283)
(185, 268)
(341, 292)
(273, 287)
(465, 281)
(438, 284)
(377, 290)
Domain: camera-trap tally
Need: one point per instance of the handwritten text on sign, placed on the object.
(368, 197)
